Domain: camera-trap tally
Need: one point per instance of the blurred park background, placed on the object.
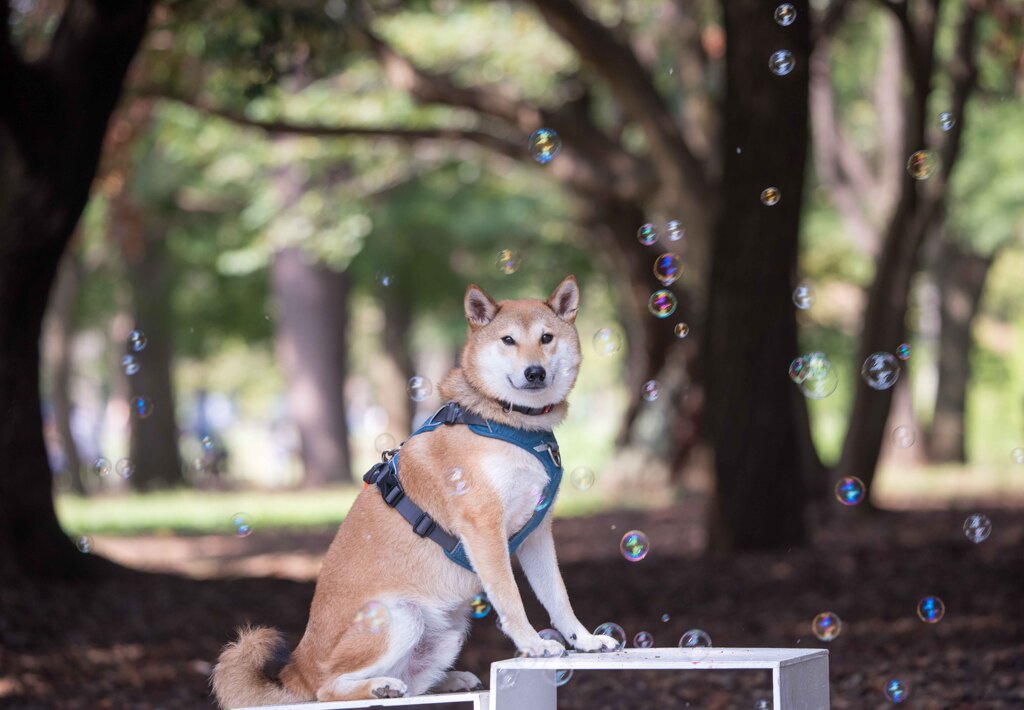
(234, 240)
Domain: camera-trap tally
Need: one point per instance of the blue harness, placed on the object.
(541, 444)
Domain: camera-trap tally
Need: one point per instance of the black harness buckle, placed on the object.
(452, 413)
(424, 525)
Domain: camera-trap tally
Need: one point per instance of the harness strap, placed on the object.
(385, 476)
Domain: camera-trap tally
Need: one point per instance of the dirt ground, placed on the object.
(148, 640)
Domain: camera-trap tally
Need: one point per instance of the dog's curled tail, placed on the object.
(246, 672)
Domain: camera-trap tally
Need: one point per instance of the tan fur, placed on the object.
(375, 556)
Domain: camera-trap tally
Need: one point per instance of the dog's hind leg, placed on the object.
(433, 656)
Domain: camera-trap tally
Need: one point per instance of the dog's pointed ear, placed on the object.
(565, 299)
(480, 308)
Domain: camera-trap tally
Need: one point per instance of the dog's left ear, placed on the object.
(565, 299)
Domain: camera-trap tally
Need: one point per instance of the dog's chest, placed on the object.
(520, 480)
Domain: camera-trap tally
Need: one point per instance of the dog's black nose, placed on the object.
(535, 373)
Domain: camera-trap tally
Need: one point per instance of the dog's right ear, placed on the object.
(480, 308)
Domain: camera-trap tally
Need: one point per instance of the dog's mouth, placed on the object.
(531, 386)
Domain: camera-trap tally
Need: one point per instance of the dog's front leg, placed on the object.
(488, 552)
(537, 555)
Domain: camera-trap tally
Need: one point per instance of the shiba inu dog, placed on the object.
(391, 607)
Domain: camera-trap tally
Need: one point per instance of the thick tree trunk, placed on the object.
(53, 116)
(962, 277)
(752, 407)
(312, 347)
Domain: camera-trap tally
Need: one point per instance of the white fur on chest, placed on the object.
(520, 479)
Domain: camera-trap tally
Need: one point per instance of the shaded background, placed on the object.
(232, 234)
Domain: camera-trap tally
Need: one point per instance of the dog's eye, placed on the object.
(508, 340)
(546, 338)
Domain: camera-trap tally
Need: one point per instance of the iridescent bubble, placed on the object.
(650, 390)
(635, 545)
(458, 482)
(137, 340)
(880, 371)
(681, 330)
(130, 365)
(785, 14)
(644, 639)
(1017, 455)
(931, 609)
(242, 524)
(372, 618)
(798, 370)
(419, 388)
(607, 341)
(921, 164)
(946, 121)
(383, 442)
(903, 437)
(850, 490)
(668, 268)
(803, 297)
(582, 478)
(977, 527)
(125, 468)
(543, 498)
(819, 378)
(507, 678)
(896, 690)
(662, 303)
(647, 234)
(665, 618)
(615, 631)
(553, 635)
(84, 543)
(781, 62)
(508, 261)
(141, 407)
(384, 279)
(770, 196)
(826, 626)
(101, 466)
(480, 606)
(209, 444)
(699, 641)
(562, 676)
(763, 704)
(903, 352)
(675, 230)
(544, 145)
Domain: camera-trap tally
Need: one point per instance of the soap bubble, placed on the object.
(763, 704)
(781, 62)
(615, 631)
(383, 278)
(921, 164)
(84, 543)
(141, 407)
(607, 341)
(931, 609)
(903, 352)
(508, 261)
(650, 390)
(946, 121)
(125, 468)
(419, 388)
(896, 690)
(544, 145)
(696, 639)
(543, 498)
(582, 477)
(372, 618)
(880, 371)
(101, 466)
(480, 605)
(1017, 455)
(562, 676)
(803, 297)
(850, 490)
(818, 379)
(242, 524)
(458, 482)
(635, 545)
(644, 639)
(647, 234)
(785, 14)
(681, 330)
(130, 365)
(977, 527)
(384, 442)
(507, 678)
(675, 230)
(137, 340)
(662, 303)
(668, 268)
(798, 370)
(209, 444)
(665, 618)
(826, 626)
(903, 437)
(770, 196)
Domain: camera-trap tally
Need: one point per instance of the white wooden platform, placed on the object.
(799, 677)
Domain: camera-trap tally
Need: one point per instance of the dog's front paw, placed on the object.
(388, 688)
(589, 643)
(541, 648)
(457, 682)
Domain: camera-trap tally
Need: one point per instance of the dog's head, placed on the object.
(526, 352)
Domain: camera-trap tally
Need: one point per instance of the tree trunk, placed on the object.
(962, 275)
(395, 340)
(752, 407)
(53, 116)
(312, 347)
